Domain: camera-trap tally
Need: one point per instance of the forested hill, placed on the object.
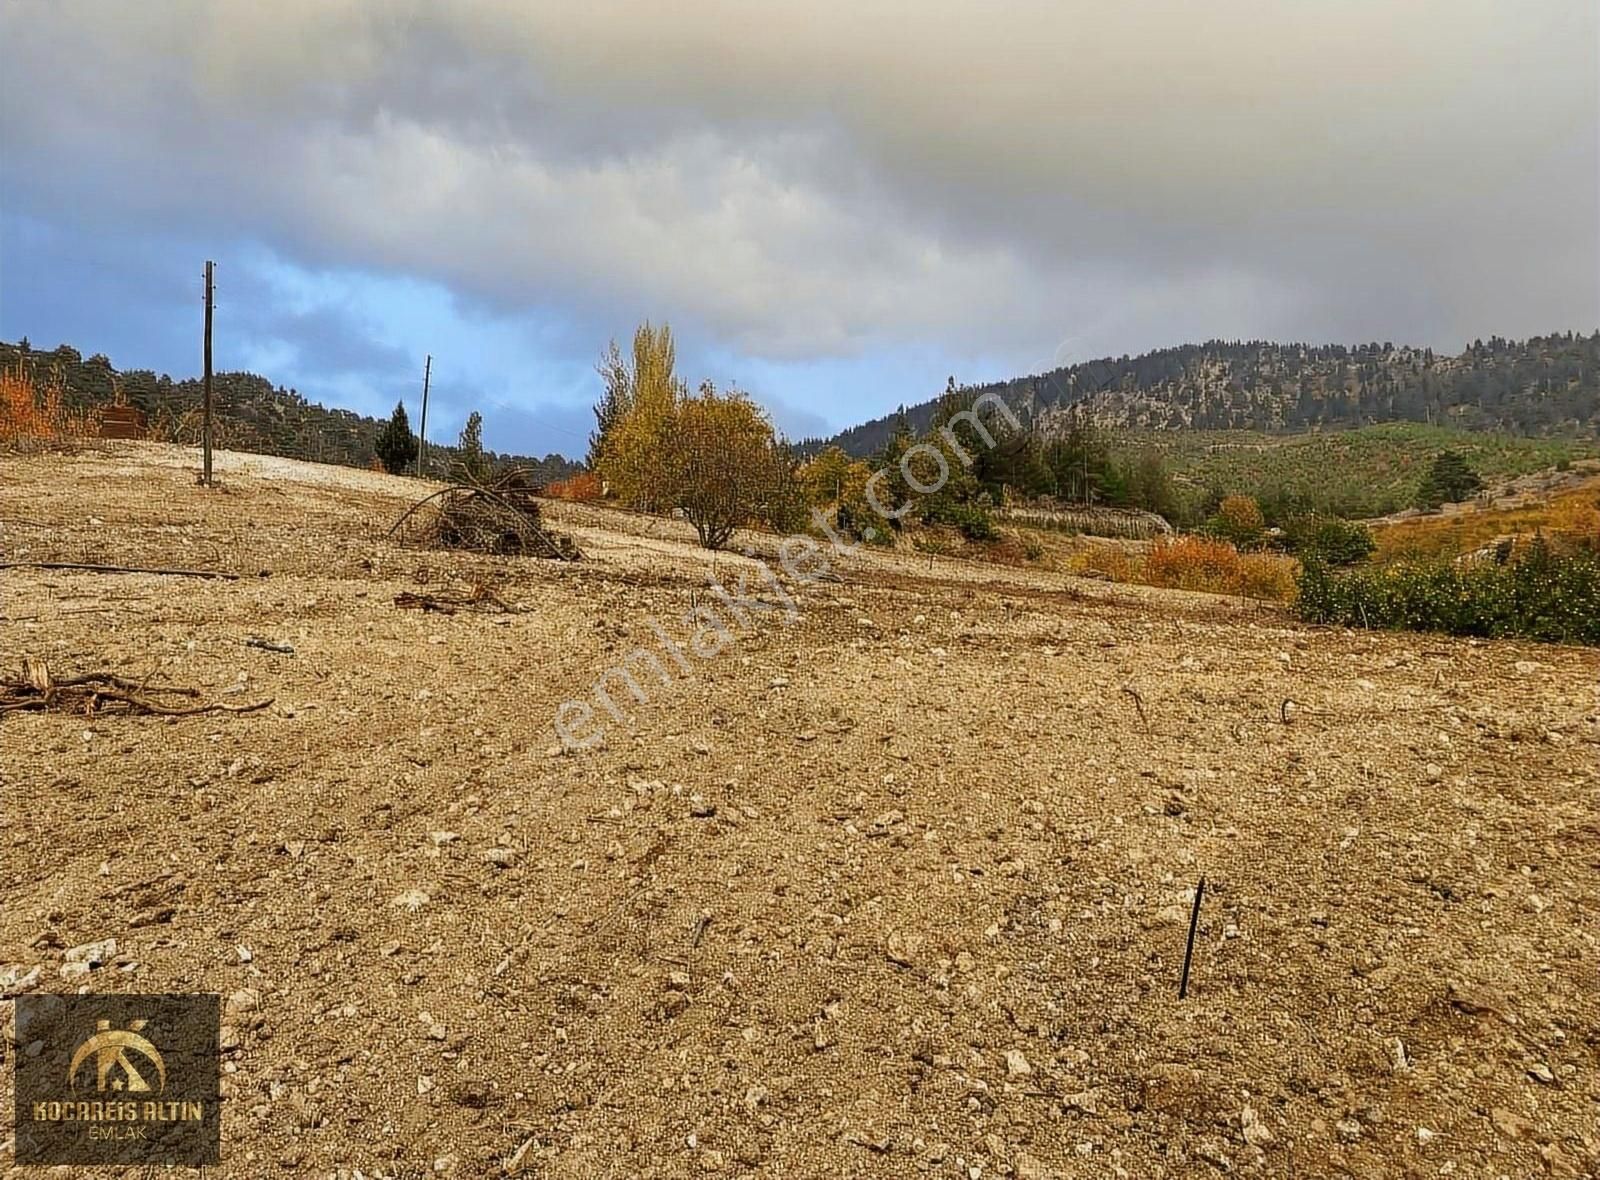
(252, 414)
(1543, 385)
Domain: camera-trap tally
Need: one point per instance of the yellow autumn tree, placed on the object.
(836, 483)
(825, 475)
(642, 399)
(713, 456)
(724, 466)
(1239, 520)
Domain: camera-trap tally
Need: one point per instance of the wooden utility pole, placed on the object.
(422, 426)
(206, 430)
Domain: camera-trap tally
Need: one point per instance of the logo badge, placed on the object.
(118, 1079)
(109, 1048)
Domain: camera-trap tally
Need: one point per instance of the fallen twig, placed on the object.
(700, 925)
(45, 682)
(116, 569)
(144, 705)
(90, 692)
(273, 645)
(478, 598)
(1138, 703)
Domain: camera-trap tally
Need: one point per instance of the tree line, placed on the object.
(253, 414)
(715, 458)
(1539, 386)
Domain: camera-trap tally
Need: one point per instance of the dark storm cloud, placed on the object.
(792, 182)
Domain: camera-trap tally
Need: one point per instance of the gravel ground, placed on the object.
(896, 883)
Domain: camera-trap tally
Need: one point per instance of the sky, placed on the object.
(836, 204)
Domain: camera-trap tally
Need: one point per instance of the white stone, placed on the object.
(411, 899)
(14, 980)
(1254, 1130)
(93, 953)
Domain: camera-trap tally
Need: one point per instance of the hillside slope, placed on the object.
(1543, 385)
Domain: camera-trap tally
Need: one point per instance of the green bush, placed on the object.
(975, 523)
(861, 526)
(1328, 539)
(1449, 479)
(1541, 595)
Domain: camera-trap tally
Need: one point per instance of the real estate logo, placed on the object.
(118, 1079)
(110, 1048)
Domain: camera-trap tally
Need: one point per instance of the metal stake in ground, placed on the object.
(1188, 951)
(205, 477)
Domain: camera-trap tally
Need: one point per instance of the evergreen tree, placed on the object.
(396, 446)
(474, 463)
(1081, 462)
(1448, 480)
(613, 405)
(892, 490)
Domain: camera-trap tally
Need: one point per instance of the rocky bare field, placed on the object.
(895, 883)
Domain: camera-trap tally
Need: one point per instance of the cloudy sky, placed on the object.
(835, 203)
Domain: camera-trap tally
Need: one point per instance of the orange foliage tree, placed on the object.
(33, 412)
(1204, 563)
(1239, 520)
(585, 487)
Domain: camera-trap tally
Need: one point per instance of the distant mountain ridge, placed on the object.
(1542, 385)
(252, 414)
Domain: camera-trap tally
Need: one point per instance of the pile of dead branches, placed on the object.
(93, 693)
(502, 517)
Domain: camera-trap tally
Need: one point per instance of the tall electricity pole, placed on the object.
(206, 430)
(422, 427)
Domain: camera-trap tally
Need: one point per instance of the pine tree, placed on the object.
(1449, 479)
(613, 405)
(474, 463)
(396, 446)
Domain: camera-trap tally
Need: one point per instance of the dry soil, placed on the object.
(895, 885)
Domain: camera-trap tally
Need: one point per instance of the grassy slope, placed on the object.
(1572, 515)
(1366, 472)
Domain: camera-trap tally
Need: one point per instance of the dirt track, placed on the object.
(900, 887)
